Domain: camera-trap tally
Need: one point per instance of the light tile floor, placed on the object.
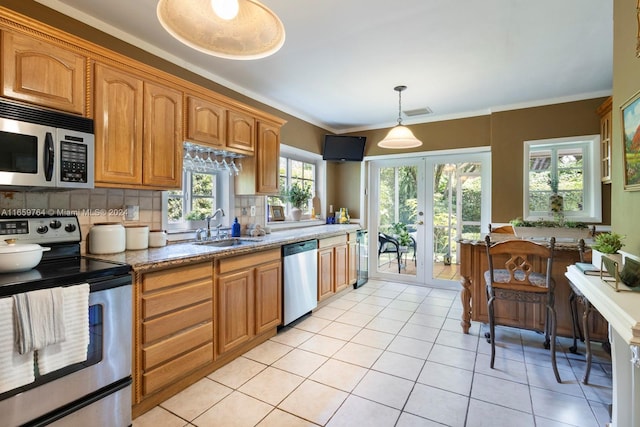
(391, 354)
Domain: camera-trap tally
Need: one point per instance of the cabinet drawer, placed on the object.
(163, 326)
(165, 278)
(332, 241)
(168, 373)
(167, 349)
(175, 298)
(227, 265)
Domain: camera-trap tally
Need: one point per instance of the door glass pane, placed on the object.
(457, 209)
(398, 200)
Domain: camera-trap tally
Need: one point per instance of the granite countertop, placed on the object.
(180, 253)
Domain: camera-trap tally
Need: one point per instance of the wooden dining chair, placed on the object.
(516, 279)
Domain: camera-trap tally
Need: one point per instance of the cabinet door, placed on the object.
(241, 135)
(353, 261)
(605, 140)
(325, 273)
(268, 293)
(206, 122)
(267, 158)
(235, 310)
(43, 73)
(118, 98)
(341, 267)
(162, 161)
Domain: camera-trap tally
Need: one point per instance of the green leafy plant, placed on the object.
(519, 222)
(297, 194)
(400, 232)
(608, 243)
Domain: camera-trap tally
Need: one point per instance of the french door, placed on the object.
(436, 201)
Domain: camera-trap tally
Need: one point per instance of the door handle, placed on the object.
(420, 222)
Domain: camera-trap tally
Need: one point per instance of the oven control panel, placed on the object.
(41, 229)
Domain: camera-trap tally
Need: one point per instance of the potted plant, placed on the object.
(605, 243)
(556, 201)
(298, 195)
(400, 232)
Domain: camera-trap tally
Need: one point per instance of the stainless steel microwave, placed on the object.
(44, 149)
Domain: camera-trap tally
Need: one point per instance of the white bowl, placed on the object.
(16, 257)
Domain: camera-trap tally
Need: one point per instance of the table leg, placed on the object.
(587, 341)
(465, 296)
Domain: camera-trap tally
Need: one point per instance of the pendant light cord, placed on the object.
(399, 89)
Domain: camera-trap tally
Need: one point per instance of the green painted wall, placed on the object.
(626, 84)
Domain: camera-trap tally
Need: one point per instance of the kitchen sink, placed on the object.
(221, 243)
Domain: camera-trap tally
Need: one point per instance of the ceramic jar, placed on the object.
(137, 237)
(107, 238)
(157, 238)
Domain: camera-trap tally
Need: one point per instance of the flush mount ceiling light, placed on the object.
(231, 29)
(400, 136)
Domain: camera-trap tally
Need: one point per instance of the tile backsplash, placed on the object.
(108, 205)
(91, 206)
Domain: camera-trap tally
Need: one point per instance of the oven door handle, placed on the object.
(49, 156)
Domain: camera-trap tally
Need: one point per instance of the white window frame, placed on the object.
(187, 225)
(592, 191)
(294, 153)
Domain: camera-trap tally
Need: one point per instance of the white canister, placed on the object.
(157, 238)
(137, 237)
(107, 238)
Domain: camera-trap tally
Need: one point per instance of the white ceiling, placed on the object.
(342, 58)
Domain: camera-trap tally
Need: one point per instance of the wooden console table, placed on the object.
(473, 264)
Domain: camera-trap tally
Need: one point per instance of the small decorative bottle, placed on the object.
(235, 228)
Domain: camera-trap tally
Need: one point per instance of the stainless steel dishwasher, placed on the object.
(300, 271)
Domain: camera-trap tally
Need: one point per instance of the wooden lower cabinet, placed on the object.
(174, 331)
(325, 273)
(333, 266)
(193, 319)
(249, 297)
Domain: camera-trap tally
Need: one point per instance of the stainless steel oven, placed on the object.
(44, 149)
(97, 391)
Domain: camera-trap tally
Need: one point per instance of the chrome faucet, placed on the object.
(209, 218)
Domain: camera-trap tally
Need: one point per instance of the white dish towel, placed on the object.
(76, 320)
(16, 369)
(39, 319)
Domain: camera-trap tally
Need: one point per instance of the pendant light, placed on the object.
(230, 29)
(400, 136)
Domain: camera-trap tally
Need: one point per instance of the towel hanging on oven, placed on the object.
(15, 370)
(39, 319)
(76, 319)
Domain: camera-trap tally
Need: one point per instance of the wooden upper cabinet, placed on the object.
(138, 131)
(43, 73)
(118, 104)
(268, 158)
(162, 153)
(605, 140)
(241, 134)
(206, 122)
(260, 173)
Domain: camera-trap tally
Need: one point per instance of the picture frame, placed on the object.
(630, 111)
(276, 213)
